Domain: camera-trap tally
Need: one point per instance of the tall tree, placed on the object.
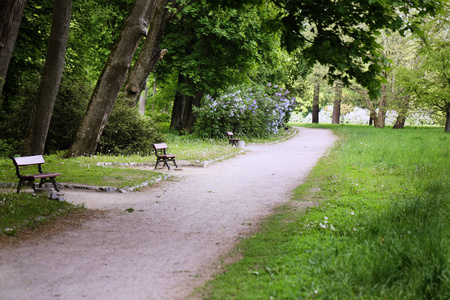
(431, 82)
(10, 18)
(149, 55)
(212, 49)
(316, 102)
(54, 64)
(113, 76)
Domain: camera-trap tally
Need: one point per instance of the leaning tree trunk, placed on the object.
(337, 103)
(48, 89)
(10, 18)
(315, 111)
(149, 56)
(113, 76)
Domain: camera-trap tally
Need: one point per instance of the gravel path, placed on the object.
(173, 240)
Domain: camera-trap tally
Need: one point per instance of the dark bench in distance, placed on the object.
(231, 140)
(36, 160)
(162, 156)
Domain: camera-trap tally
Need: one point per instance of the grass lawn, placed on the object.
(380, 230)
(24, 211)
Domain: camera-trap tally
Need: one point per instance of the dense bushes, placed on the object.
(68, 113)
(127, 132)
(251, 111)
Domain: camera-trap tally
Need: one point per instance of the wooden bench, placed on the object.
(231, 140)
(23, 162)
(162, 156)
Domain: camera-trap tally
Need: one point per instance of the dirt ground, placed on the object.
(175, 236)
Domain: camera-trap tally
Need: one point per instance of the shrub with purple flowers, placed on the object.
(254, 111)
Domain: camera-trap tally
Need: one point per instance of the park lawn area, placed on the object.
(19, 212)
(85, 171)
(380, 228)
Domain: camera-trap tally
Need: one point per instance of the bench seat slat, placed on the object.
(41, 175)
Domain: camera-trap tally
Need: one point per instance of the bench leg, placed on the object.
(28, 182)
(19, 186)
(52, 180)
(157, 162)
(166, 164)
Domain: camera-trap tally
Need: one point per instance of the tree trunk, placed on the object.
(48, 89)
(401, 118)
(193, 117)
(143, 100)
(380, 116)
(380, 120)
(188, 116)
(189, 100)
(315, 111)
(179, 105)
(337, 103)
(400, 122)
(10, 18)
(113, 76)
(148, 57)
(447, 122)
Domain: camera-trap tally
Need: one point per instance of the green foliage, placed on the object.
(68, 113)
(127, 132)
(381, 229)
(218, 47)
(255, 111)
(70, 106)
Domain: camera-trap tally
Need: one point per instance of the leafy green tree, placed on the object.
(431, 82)
(50, 80)
(113, 76)
(342, 34)
(94, 26)
(213, 49)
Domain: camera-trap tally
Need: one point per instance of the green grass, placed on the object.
(26, 211)
(85, 171)
(381, 229)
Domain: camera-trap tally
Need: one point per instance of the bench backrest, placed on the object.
(28, 160)
(160, 146)
(229, 133)
(160, 149)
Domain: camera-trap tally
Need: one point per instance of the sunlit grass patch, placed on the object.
(381, 230)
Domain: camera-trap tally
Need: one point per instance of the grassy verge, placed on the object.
(381, 229)
(25, 211)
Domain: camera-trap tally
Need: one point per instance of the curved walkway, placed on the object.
(173, 239)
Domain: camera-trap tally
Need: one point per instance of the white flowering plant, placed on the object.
(253, 111)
